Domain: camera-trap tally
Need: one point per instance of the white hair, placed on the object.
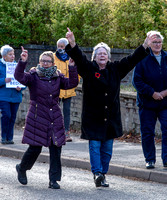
(155, 33)
(99, 45)
(62, 40)
(6, 49)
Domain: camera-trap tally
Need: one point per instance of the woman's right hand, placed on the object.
(24, 54)
(70, 37)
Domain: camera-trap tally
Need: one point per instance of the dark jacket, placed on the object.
(101, 118)
(150, 77)
(44, 121)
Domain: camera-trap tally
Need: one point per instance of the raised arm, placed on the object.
(126, 64)
(70, 37)
(24, 54)
(72, 81)
(20, 75)
(73, 50)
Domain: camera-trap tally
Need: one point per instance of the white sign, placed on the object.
(10, 69)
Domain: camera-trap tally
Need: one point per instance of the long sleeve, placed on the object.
(20, 75)
(72, 81)
(83, 64)
(138, 81)
(126, 64)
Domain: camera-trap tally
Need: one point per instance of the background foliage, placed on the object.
(119, 23)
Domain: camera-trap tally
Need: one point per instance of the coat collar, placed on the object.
(55, 75)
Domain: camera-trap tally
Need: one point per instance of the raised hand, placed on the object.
(71, 62)
(24, 54)
(149, 39)
(70, 37)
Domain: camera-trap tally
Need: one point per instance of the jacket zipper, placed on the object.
(66, 76)
(36, 110)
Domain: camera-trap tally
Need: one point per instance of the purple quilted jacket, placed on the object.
(44, 121)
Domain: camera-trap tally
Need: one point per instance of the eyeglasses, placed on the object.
(46, 61)
(157, 42)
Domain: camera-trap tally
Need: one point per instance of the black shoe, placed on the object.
(165, 164)
(98, 178)
(54, 185)
(22, 178)
(9, 142)
(150, 165)
(104, 182)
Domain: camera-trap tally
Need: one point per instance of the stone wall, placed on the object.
(129, 111)
(34, 52)
(130, 119)
(129, 114)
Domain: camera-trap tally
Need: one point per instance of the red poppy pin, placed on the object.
(97, 75)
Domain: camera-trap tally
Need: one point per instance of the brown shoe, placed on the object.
(68, 138)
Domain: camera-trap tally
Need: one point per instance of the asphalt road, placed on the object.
(76, 184)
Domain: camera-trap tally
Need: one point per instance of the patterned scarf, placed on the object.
(47, 72)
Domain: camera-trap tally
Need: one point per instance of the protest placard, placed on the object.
(10, 69)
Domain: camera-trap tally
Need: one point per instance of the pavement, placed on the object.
(127, 159)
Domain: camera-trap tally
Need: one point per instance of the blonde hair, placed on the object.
(101, 45)
(48, 53)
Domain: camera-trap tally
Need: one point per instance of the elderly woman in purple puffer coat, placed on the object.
(44, 122)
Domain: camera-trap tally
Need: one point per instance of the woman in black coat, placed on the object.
(101, 117)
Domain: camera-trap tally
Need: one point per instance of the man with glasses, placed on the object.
(150, 81)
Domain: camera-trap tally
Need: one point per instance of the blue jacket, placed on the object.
(150, 77)
(8, 94)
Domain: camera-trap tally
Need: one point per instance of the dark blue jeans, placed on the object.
(31, 155)
(66, 112)
(100, 155)
(8, 117)
(148, 119)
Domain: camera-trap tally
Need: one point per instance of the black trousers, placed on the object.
(31, 155)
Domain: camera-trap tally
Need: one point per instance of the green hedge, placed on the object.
(119, 23)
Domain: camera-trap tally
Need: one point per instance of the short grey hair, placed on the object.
(62, 40)
(155, 33)
(5, 50)
(101, 45)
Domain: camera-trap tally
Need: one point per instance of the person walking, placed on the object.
(150, 81)
(44, 122)
(101, 118)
